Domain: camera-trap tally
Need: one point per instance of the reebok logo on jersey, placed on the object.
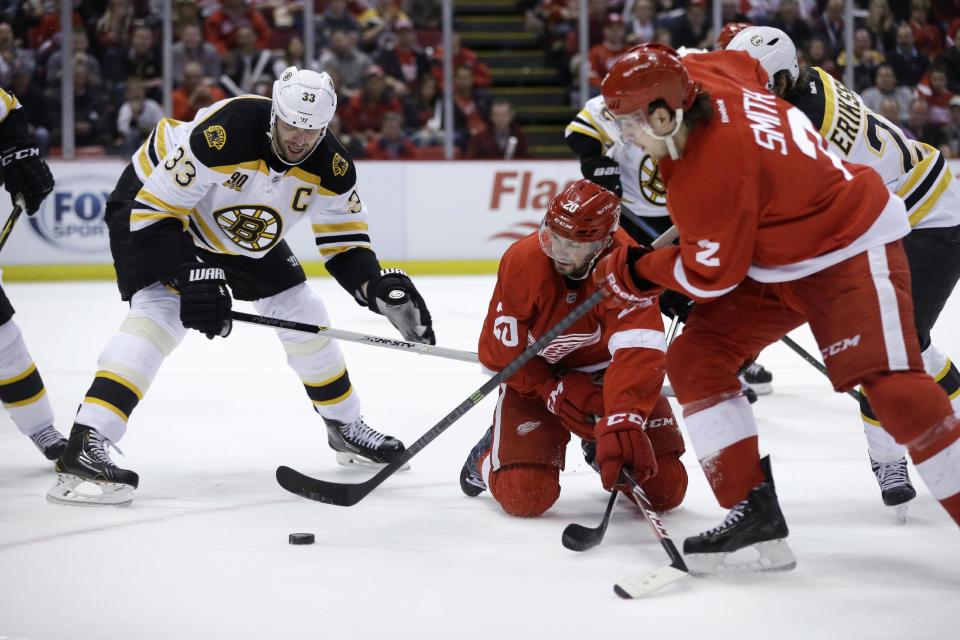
(527, 427)
(722, 108)
(840, 346)
(206, 273)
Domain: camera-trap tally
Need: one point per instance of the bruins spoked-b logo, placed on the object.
(651, 186)
(216, 137)
(339, 166)
(253, 227)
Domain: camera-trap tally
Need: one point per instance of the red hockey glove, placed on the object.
(576, 400)
(614, 274)
(621, 442)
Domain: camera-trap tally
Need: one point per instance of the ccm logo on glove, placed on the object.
(20, 154)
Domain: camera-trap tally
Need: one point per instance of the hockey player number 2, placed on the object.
(804, 135)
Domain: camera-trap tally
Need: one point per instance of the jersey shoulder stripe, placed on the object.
(813, 100)
(329, 167)
(233, 132)
(8, 103)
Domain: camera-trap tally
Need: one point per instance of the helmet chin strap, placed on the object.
(279, 153)
(668, 138)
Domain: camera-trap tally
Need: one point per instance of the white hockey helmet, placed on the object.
(303, 98)
(772, 48)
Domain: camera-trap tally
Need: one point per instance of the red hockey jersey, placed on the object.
(530, 297)
(756, 192)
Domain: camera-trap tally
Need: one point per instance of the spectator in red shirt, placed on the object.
(194, 93)
(113, 27)
(937, 96)
(927, 36)
(220, 28)
(504, 138)
(391, 144)
(462, 57)
(603, 55)
(364, 113)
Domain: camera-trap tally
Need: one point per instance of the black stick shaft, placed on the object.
(653, 520)
(11, 221)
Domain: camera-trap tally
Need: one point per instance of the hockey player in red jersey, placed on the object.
(775, 231)
(600, 380)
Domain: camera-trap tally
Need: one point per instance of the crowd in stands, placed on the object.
(385, 59)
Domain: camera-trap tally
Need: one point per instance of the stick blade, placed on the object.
(577, 537)
(343, 495)
(641, 585)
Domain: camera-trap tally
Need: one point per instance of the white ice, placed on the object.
(202, 552)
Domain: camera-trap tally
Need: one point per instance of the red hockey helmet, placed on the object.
(646, 73)
(728, 31)
(578, 226)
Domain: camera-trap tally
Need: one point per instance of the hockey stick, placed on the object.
(346, 495)
(577, 537)
(19, 205)
(803, 353)
(362, 338)
(641, 585)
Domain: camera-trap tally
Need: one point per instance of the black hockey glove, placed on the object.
(603, 171)
(204, 299)
(393, 295)
(27, 174)
(675, 304)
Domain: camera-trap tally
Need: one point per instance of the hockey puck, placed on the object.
(302, 538)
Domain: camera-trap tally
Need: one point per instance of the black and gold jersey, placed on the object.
(219, 178)
(915, 171)
(643, 190)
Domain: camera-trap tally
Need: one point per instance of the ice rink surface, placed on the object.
(202, 552)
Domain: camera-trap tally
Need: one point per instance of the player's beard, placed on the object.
(280, 148)
(574, 272)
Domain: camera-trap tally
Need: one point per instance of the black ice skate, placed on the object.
(895, 488)
(758, 378)
(50, 442)
(471, 480)
(86, 459)
(751, 538)
(358, 444)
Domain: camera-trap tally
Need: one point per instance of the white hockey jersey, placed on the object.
(915, 171)
(217, 176)
(643, 191)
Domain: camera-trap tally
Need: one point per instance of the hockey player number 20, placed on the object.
(809, 141)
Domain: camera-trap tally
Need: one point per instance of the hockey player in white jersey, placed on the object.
(631, 173)
(197, 218)
(916, 172)
(22, 391)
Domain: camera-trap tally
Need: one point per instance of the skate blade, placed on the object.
(901, 511)
(67, 491)
(356, 461)
(772, 555)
